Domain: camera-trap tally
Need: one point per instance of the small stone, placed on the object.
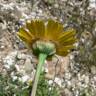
(25, 78)
(21, 45)
(7, 66)
(50, 82)
(93, 70)
(67, 93)
(67, 75)
(33, 14)
(40, 11)
(28, 66)
(86, 79)
(58, 81)
(21, 56)
(14, 78)
(92, 4)
(17, 67)
(94, 78)
(10, 58)
(56, 5)
(2, 47)
(68, 84)
(49, 76)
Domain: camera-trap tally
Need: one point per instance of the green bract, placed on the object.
(44, 47)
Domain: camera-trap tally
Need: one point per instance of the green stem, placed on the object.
(42, 58)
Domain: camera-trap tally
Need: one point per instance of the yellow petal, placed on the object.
(25, 36)
(24, 33)
(27, 42)
(60, 28)
(40, 28)
(66, 35)
(64, 50)
(69, 41)
(53, 28)
(62, 53)
(31, 28)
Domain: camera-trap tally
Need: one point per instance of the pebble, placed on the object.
(2, 47)
(24, 78)
(17, 67)
(14, 78)
(28, 65)
(93, 69)
(50, 82)
(10, 59)
(58, 81)
(67, 92)
(56, 5)
(67, 75)
(21, 56)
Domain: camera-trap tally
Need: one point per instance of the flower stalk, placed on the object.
(42, 58)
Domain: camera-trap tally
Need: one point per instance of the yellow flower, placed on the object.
(50, 34)
(46, 39)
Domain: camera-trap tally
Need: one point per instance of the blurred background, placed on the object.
(74, 75)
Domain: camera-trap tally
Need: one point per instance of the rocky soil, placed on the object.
(70, 76)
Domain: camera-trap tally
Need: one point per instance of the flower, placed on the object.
(39, 35)
(45, 40)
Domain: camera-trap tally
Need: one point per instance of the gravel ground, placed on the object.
(71, 77)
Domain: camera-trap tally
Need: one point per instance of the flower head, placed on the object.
(47, 37)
